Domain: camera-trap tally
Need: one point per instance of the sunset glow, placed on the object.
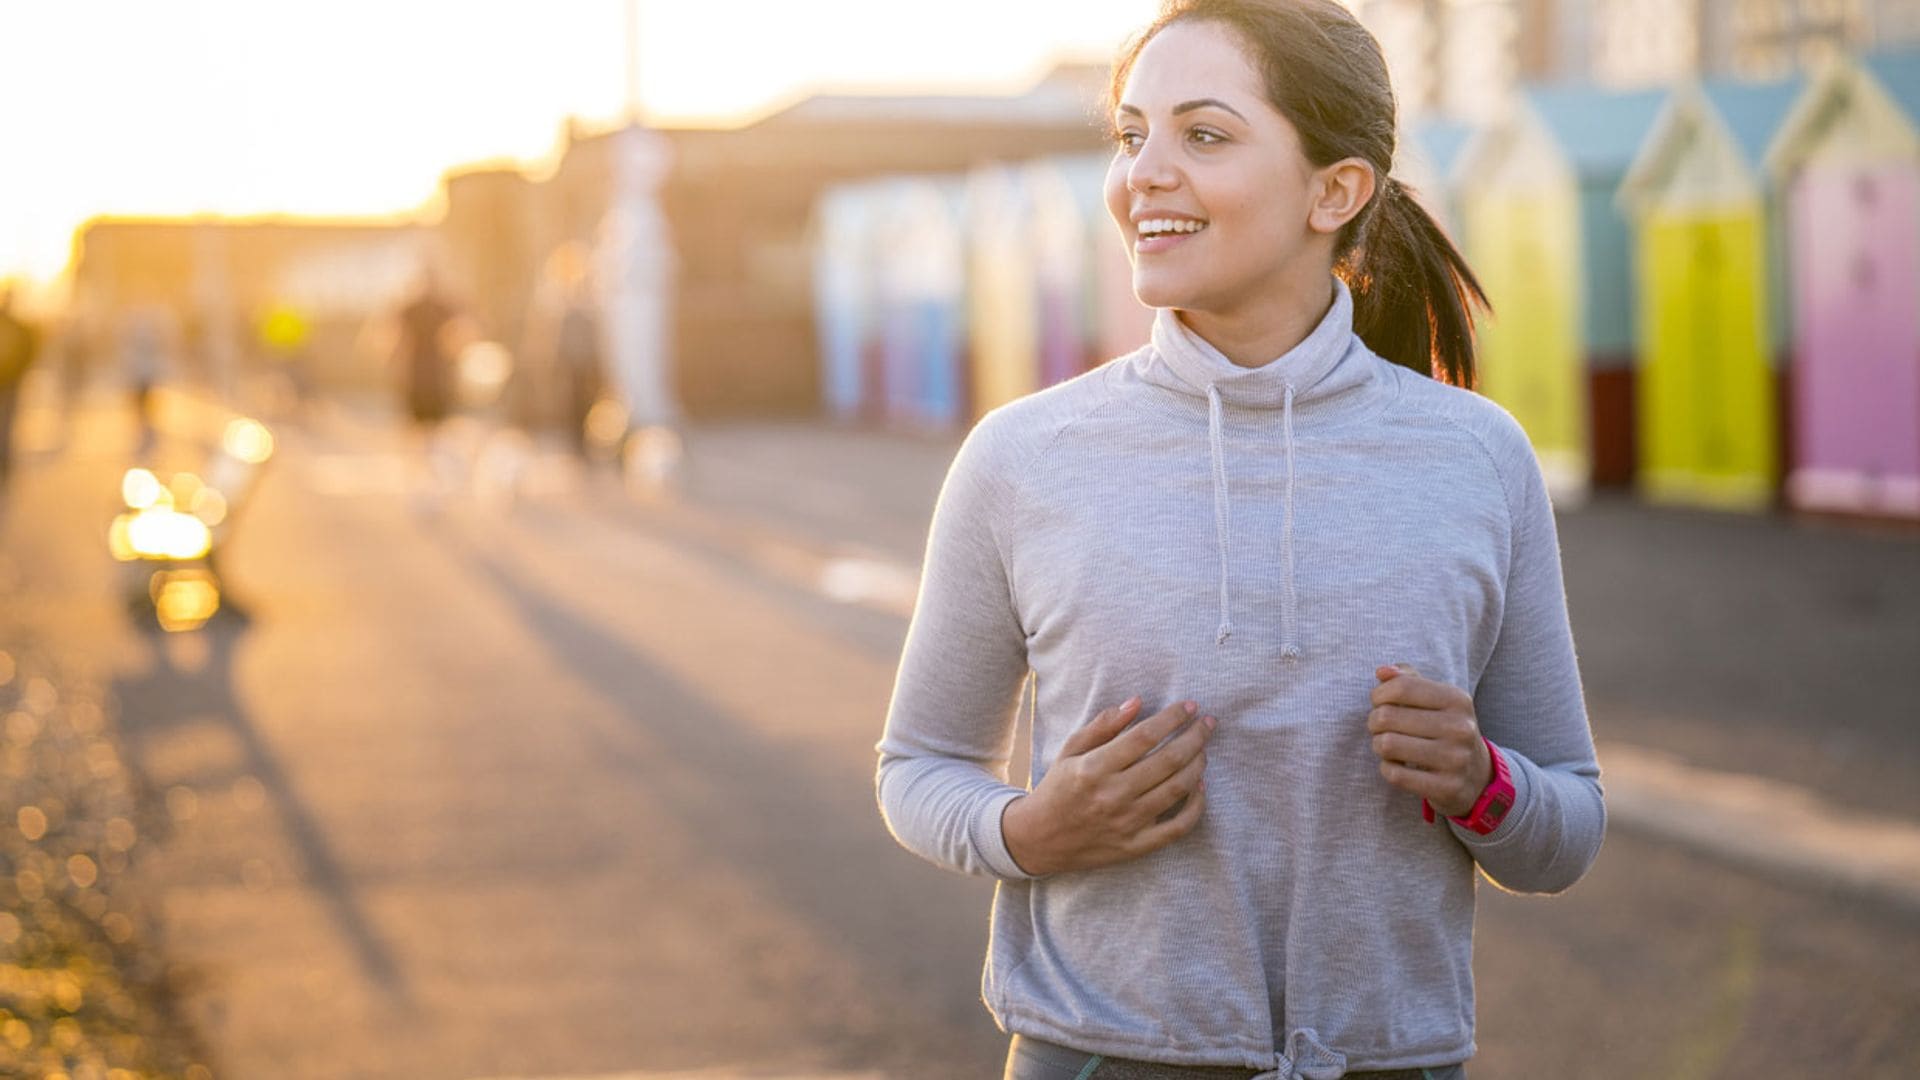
(357, 107)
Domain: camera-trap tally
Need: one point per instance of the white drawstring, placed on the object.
(1222, 512)
(1289, 649)
(1223, 523)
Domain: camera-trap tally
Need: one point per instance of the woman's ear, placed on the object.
(1341, 191)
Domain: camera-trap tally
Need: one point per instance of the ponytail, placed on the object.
(1413, 293)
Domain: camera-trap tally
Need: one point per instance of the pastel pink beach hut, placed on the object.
(1848, 159)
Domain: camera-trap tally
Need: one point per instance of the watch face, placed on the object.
(1497, 808)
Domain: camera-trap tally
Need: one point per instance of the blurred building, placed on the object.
(490, 234)
(220, 278)
(1464, 57)
(739, 202)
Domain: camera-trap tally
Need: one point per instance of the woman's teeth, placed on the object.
(1159, 226)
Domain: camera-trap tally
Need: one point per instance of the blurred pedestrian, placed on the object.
(149, 337)
(564, 341)
(285, 337)
(19, 347)
(76, 353)
(1289, 597)
(429, 332)
(636, 273)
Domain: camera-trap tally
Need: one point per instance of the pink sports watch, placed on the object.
(1495, 800)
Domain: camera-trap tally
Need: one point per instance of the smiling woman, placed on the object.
(1314, 119)
(1278, 592)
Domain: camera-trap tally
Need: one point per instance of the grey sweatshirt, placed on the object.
(1257, 540)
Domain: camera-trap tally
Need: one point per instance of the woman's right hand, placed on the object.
(1110, 796)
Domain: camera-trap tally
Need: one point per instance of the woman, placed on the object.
(1276, 597)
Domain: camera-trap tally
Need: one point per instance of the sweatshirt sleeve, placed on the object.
(942, 779)
(1530, 704)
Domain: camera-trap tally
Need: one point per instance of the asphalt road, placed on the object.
(583, 787)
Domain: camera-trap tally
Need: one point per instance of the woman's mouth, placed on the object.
(1156, 235)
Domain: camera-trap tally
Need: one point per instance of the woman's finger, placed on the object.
(1100, 730)
(1431, 786)
(1429, 755)
(1180, 824)
(1139, 741)
(1153, 770)
(1425, 723)
(1155, 803)
(1419, 693)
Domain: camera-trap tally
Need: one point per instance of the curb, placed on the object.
(1764, 824)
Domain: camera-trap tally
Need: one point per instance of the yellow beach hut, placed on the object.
(1711, 303)
(1003, 297)
(1545, 239)
(1519, 218)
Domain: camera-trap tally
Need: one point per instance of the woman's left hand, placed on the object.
(1427, 739)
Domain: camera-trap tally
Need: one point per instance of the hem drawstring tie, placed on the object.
(1306, 1058)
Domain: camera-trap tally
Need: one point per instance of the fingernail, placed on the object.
(1210, 722)
(1129, 703)
(1191, 707)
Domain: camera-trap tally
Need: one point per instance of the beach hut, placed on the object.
(1848, 162)
(1063, 258)
(1709, 293)
(922, 301)
(1117, 322)
(1520, 228)
(1429, 154)
(845, 299)
(1002, 293)
(1050, 287)
(1540, 228)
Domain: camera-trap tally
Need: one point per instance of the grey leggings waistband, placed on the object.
(1036, 1059)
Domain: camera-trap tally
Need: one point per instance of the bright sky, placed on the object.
(358, 106)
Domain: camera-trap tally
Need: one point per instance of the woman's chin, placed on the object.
(1157, 292)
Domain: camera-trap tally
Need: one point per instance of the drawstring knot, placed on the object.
(1306, 1058)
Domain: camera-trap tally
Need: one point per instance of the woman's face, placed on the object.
(1199, 143)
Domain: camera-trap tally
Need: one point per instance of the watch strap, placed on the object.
(1495, 802)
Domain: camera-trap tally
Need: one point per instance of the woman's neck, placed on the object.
(1256, 335)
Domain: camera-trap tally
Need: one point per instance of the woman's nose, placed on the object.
(1151, 169)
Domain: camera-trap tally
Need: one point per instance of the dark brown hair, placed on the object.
(1412, 290)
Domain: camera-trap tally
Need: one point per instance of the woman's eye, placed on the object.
(1130, 141)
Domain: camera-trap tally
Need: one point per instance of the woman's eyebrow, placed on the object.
(1189, 106)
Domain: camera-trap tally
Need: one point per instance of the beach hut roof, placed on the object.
(1899, 74)
(1599, 131)
(1754, 111)
(1853, 107)
(1441, 141)
(1709, 137)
